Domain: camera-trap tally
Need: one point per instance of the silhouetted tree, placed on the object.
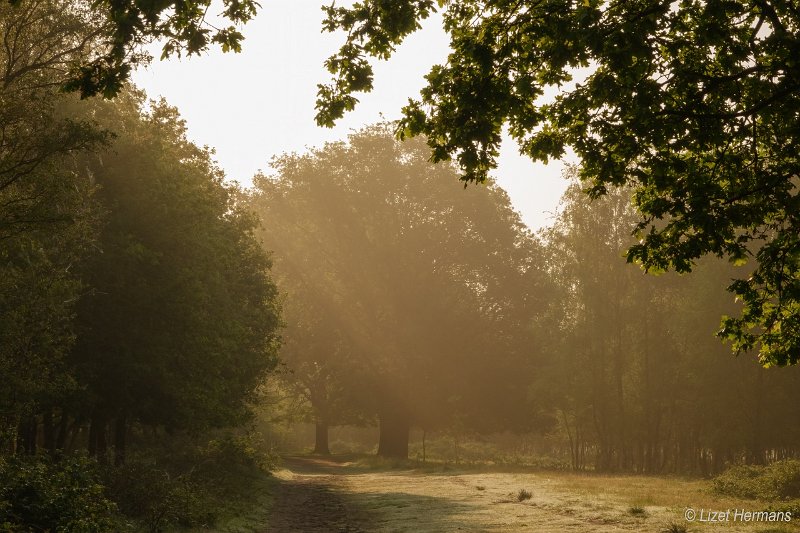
(431, 289)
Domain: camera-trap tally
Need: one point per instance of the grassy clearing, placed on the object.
(401, 497)
(397, 499)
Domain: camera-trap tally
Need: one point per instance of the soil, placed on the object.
(308, 499)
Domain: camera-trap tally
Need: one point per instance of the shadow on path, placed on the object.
(315, 495)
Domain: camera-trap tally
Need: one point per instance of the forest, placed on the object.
(179, 352)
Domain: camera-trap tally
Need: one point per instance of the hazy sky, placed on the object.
(259, 103)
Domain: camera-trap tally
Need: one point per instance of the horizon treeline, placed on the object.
(410, 303)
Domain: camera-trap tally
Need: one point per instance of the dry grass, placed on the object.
(413, 501)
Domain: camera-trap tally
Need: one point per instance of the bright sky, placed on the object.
(259, 103)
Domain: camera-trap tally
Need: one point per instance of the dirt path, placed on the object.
(331, 496)
(309, 499)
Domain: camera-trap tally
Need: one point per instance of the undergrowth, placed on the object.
(38, 493)
(183, 484)
(777, 481)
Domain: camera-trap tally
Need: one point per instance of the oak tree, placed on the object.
(413, 298)
(692, 103)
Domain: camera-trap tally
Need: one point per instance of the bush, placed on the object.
(157, 499)
(183, 481)
(778, 481)
(40, 494)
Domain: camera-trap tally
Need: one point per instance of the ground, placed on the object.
(315, 495)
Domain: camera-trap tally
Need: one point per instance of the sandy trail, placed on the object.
(309, 499)
(316, 495)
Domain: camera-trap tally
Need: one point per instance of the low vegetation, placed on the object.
(42, 494)
(778, 481)
(185, 483)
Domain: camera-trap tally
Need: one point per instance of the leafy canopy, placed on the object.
(695, 104)
(401, 292)
(119, 29)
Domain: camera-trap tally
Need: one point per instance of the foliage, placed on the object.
(182, 311)
(776, 481)
(693, 104)
(523, 495)
(41, 494)
(154, 498)
(48, 218)
(634, 356)
(132, 289)
(115, 33)
(384, 261)
(185, 481)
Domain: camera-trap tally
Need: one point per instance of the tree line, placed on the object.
(133, 290)
(410, 303)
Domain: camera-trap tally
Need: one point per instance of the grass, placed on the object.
(400, 497)
(417, 500)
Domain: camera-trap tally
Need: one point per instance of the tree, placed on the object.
(41, 128)
(413, 293)
(121, 29)
(635, 357)
(693, 104)
(47, 213)
(181, 322)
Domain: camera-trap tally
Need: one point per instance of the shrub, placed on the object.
(523, 495)
(151, 495)
(41, 494)
(778, 481)
(187, 482)
(783, 479)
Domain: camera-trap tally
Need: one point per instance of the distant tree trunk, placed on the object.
(74, 431)
(98, 445)
(321, 438)
(756, 453)
(10, 424)
(120, 433)
(91, 445)
(573, 442)
(49, 431)
(61, 435)
(28, 430)
(394, 432)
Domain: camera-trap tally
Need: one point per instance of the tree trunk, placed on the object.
(49, 431)
(321, 439)
(27, 434)
(120, 431)
(61, 435)
(91, 444)
(394, 431)
(98, 445)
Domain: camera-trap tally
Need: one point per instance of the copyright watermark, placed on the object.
(735, 515)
